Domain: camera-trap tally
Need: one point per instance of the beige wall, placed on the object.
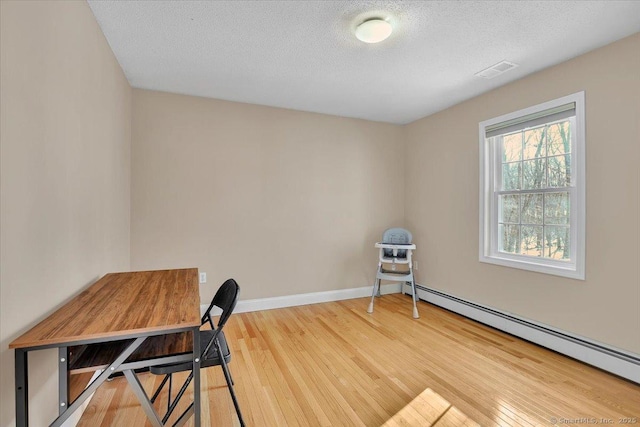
(285, 202)
(65, 180)
(442, 200)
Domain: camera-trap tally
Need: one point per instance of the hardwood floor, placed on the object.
(333, 364)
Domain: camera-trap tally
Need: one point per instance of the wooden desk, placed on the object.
(128, 308)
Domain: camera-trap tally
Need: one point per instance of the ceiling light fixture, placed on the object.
(373, 30)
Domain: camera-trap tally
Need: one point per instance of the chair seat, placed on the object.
(395, 260)
(211, 358)
(396, 277)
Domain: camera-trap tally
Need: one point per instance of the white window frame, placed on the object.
(489, 212)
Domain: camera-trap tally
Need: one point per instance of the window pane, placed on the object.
(531, 240)
(533, 174)
(560, 171)
(512, 147)
(510, 209)
(556, 242)
(534, 146)
(556, 208)
(509, 237)
(511, 176)
(559, 139)
(532, 208)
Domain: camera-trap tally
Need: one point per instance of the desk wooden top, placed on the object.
(122, 305)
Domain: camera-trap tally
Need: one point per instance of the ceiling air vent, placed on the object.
(496, 70)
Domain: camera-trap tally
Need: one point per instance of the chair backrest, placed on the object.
(396, 236)
(226, 299)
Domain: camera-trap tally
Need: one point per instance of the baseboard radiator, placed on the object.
(610, 359)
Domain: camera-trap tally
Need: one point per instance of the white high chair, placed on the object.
(395, 248)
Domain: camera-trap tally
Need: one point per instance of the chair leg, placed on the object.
(376, 287)
(169, 394)
(159, 389)
(414, 296)
(182, 419)
(227, 376)
(231, 378)
(173, 405)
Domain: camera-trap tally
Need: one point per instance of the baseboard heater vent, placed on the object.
(616, 361)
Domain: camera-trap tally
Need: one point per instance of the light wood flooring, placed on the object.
(333, 364)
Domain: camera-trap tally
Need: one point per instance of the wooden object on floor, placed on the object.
(333, 364)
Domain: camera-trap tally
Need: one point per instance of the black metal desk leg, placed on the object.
(196, 377)
(71, 408)
(63, 379)
(22, 388)
(152, 415)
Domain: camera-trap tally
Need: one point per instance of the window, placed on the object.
(532, 188)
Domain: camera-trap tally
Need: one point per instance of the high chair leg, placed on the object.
(376, 289)
(414, 296)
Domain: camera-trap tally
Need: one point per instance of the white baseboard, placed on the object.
(245, 306)
(603, 356)
(311, 298)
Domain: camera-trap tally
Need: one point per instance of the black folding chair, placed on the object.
(215, 350)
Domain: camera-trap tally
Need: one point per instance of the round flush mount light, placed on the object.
(373, 30)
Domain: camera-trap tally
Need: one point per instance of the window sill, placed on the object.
(554, 268)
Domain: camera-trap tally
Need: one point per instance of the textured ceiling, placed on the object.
(303, 55)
